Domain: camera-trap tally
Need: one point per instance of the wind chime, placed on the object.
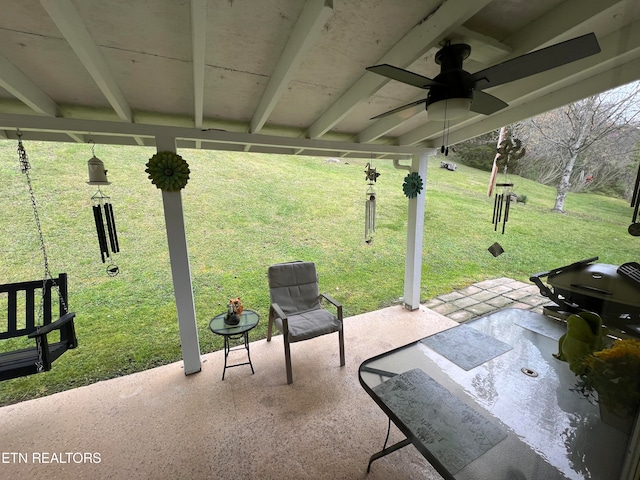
(507, 150)
(634, 228)
(370, 204)
(103, 213)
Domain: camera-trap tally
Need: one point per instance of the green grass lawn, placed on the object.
(244, 212)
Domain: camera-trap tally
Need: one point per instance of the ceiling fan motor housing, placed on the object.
(456, 83)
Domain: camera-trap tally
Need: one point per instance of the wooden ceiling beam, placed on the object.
(67, 19)
(198, 43)
(305, 33)
(417, 42)
(21, 87)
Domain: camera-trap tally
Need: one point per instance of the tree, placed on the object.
(477, 152)
(582, 142)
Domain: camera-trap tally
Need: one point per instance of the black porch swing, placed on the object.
(25, 317)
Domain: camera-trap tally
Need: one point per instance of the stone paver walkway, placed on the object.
(487, 296)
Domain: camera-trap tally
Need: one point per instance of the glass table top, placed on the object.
(248, 320)
(487, 400)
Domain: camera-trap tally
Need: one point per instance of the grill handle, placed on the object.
(591, 289)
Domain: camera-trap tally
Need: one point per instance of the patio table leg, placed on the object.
(387, 451)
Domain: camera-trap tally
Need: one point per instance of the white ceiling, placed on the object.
(285, 76)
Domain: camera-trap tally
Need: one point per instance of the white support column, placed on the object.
(415, 231)
(180, 270)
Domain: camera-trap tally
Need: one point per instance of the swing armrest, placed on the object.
(57, 325)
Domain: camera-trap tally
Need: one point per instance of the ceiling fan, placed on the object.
(454, 92)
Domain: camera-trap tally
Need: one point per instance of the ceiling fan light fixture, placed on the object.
(449, 109)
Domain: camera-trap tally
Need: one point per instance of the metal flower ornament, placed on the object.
(412, 185)
(168, 171)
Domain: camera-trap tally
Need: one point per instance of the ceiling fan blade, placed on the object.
(401, 75)
(536, 62)
(485, 103)
(399, 109)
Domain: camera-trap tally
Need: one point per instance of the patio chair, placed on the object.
(296, 307)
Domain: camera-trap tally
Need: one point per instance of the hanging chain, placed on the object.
(24, 168)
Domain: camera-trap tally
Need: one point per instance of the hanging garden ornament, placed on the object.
(97, 172)
(103, 213)
(508, 150)
(370, 205)
(412, 185)
(168, 171)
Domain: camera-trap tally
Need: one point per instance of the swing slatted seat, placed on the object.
(27, 361)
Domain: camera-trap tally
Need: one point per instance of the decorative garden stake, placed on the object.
(102, 203)
(412, 185)
(370, 204)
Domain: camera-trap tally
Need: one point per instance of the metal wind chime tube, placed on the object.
(370, 215)
(501, 206)
(102, 203)
(634, 228)
(370, 204)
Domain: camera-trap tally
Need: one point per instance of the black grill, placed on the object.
(611, 291)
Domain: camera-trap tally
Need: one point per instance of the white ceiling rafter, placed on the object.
(67, 19)
(31, 123)
(21, 87)
(421, 38)
(484, 49)
(198, 43)
(384, 125)
(556, 23)
(560, 21)
(305, 33)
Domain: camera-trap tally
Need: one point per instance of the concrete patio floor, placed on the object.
(161, 424)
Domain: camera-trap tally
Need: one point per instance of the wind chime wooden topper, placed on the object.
(103, 213)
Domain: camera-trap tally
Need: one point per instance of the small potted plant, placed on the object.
(614, 373)
(234, 309)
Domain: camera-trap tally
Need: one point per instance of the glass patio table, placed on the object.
(240, 331)
(487, 400)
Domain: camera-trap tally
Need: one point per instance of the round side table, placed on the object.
(248, 321)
